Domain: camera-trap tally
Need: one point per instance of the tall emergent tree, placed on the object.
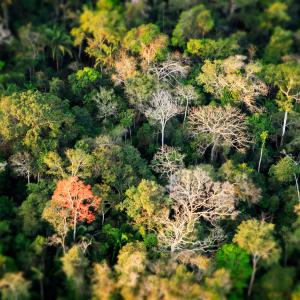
(161, 108)
(256, 237)
(286, 77)
(218, 127)
(75, 200)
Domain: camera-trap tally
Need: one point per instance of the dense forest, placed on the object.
(149, 149)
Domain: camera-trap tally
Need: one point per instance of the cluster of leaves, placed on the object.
(149, 149)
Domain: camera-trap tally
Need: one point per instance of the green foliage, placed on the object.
(76, 82)
(237, 261)
(193, 23)
(120, 167)
(142, 203)
(34, 120)
(33, 206)
(219, 49)
(276, 283)
(83, 80)
(59, 43)
(274, 15)
(284, 170)
(280, 44)
(138, 89)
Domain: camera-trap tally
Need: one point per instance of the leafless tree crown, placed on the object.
(219, 127)
(195, 197)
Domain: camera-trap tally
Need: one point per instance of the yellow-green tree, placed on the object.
(192, 23)
(33, 120)
(256, 237)
(142, 203)
(14, 286)
(73, 265)
(103, 284)
(286, 78)
(103, 29)
(130, 268)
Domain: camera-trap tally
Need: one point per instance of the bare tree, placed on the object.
(167, 161)
(195, 192)
(179, 234)
(195, 197)
(186, 94)
(219, 127)
(234, 77)
(106, 103)
(171, 70)
(161, 108)
(22, 164)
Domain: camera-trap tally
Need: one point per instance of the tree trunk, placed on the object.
(172, 248)
(103, 218)
(28, 177)
(74, 227)
(5, 15)
(162, 135)
(260, 157)
(297, 187)
(186, 109)
(129, 129)
(63, 244)
(254, 264)
(231, 9)
(212, 153)
(284, 126)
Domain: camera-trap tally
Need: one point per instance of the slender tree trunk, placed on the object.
(231, 9)
(212, 153)
(172, 248)
(63, 244)
(74, 227)
(260, 157)
(129, 129)
(254, 265)
(297, 187)
(186, 109)
(103, 218)
(5, 15)
(57, 64)
(162, 135)
(284, 126)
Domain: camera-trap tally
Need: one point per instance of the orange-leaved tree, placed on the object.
(74, 199)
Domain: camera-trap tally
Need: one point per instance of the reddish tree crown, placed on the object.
(76, 200)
